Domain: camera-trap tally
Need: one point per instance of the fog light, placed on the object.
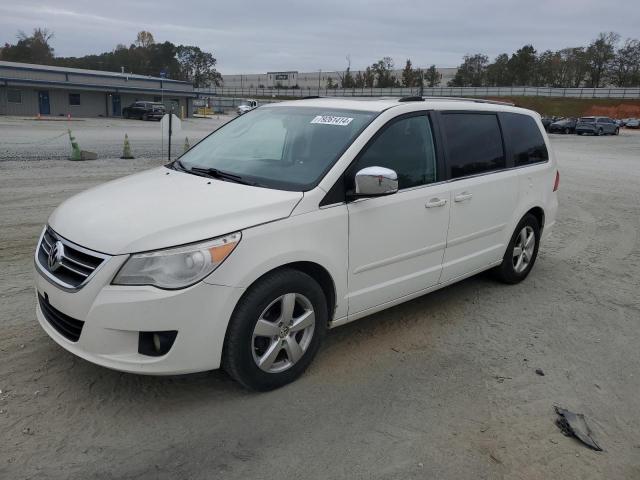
(156, 344)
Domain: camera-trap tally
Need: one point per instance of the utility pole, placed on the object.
(319, 75)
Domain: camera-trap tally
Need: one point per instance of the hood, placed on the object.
(162, 208)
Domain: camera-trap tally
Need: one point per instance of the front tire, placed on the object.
(521, 253)
(617, 131)
(275, 330)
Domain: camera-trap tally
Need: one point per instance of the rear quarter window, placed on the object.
(524, 138)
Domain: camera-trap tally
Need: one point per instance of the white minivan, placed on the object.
(289, 220)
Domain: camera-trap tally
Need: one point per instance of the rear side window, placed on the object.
(525, 139)
(474, 143)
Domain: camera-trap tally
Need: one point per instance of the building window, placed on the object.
(74, 99)
(14, 96)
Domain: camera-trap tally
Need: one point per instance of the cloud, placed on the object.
(256, 36)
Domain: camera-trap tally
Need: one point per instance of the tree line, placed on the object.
(381, 74)
(605, 61)
(144, 57)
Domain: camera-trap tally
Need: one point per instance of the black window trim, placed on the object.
(79, 99)
(337, 194)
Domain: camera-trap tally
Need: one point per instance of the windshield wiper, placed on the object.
(219, 174)
(177, 165)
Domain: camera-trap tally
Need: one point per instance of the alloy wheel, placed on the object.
(283, 333)
(523, 249)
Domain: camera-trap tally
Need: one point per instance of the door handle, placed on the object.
(461, 197)
(436, 202)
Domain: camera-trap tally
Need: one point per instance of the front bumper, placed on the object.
(113, 316)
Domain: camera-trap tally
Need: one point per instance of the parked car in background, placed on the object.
(597, 126)
(144, 111)
(302, 216)
(546, 122)
(565, 125)
(633, 123)
(247, 106)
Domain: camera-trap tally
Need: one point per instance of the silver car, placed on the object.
(597, 126)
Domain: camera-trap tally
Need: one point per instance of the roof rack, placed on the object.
(475, 100)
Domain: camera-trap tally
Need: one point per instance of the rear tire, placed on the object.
(521, 252)
(268, 344)
(617, 131)
(600, 132)
(567, 131)
(145, 117)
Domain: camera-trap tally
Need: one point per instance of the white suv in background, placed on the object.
(291, 219)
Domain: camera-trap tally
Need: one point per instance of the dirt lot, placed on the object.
(443, 387)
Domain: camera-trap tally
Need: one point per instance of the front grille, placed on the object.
(68, 327)
(76, 264)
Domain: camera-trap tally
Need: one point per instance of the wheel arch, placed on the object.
(316, 271)
(537, 212)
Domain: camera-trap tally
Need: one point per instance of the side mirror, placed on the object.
(375, 182)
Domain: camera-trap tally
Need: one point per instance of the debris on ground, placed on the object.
(574, 425)
(540, 372)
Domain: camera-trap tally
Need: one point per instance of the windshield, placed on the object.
(287, 148)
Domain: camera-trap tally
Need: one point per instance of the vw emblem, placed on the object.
(56, 254)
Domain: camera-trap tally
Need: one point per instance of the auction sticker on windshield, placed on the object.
(331, 120)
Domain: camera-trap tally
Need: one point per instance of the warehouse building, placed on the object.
(27, 89)
(307, 80)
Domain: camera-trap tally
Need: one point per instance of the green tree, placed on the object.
(522, 66)
(359, 80)
(626, 65)
(418, 80)
(331, 84)
(30, 49)
(433, 76)
(472, 72)
(383, 71)
(198, 66)
(600, 56)
(369, 77)
(408, 75)
(498, 73)
(347, 80)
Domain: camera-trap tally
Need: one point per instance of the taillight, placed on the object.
(556, 184)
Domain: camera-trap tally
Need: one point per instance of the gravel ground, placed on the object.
(30, 139)
(442, 387)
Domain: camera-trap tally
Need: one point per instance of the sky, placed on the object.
(277, 35)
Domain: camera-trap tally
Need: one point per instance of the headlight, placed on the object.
(177, 267)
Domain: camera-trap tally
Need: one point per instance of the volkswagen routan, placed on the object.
(289, 220)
